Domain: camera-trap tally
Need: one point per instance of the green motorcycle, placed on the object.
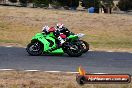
(47, 44)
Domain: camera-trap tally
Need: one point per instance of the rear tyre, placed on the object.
(75, 50)
(34, 48)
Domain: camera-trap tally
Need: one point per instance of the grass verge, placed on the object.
(20, 79)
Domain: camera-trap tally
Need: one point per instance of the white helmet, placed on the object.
(59, 25)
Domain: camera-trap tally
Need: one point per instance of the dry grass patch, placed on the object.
(20, 79)
(103, 31)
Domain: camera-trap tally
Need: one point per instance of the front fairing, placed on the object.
(73, 37)
(41, 37)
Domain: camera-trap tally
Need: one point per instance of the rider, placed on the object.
(60, 36)
(63, 29)
(60, 32)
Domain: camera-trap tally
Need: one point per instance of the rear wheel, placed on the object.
(35, 48)
(74, 50)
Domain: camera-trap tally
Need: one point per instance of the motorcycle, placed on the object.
(42, 44)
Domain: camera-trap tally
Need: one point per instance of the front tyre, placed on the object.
(85, 46)
(34, 48)
(75, 50)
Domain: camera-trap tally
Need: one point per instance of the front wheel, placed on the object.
(85, 46)
(34, 48)
(75, 50)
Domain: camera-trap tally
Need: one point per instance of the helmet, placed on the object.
(60, 25)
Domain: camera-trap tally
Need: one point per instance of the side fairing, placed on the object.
(48, 41)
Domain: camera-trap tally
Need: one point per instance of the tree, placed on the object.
(41, 3)
(125, 5)
(107, 5)
(62, 3)
(73, 4)
(23, 2)
(56, 3)
(91, 3)
(13, 1)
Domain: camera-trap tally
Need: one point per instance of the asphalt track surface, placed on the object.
(93, 61)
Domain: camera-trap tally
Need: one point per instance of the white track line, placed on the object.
(90, 50)
(60, 72)
(36, 71)
(99, 73)
(72, 72)
(6, 69)
(48, 71)
(32, 70)
(109, 51)
(8, 46)
(53, 71)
